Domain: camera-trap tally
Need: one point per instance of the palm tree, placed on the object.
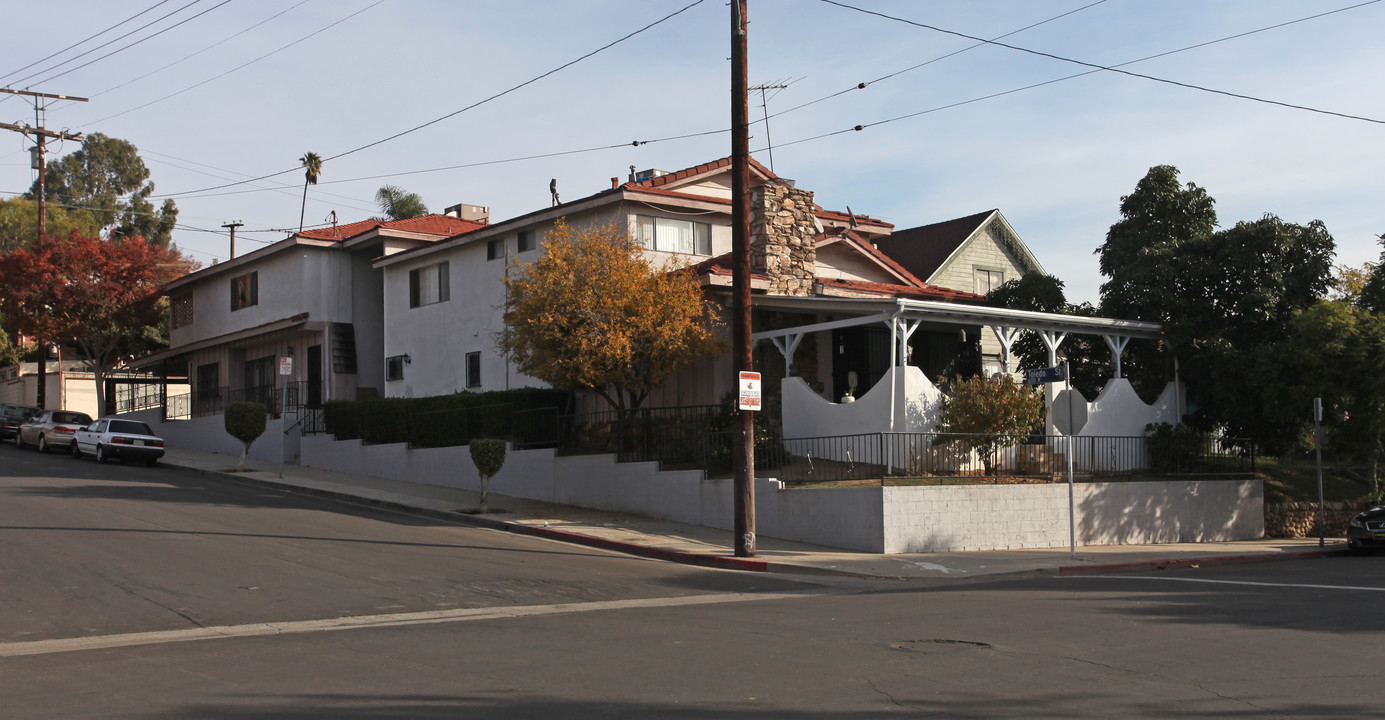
(399, 204)
(312, 167)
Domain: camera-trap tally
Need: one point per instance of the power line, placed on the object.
(238, 67)
(84, 40)
(108, 43)
(1114, 69)
(465, 109)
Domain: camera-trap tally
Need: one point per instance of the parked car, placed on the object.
(119, 439)
(1367, 530)
(12, 416)
(50, 429)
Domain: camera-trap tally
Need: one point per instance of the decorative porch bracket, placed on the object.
(1007, 336)
(787, 352)
(903, 330)
(1117, 345)
(1052, 339)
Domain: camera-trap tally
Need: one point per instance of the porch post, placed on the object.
(1052, 340)
(902, 334)
(787, 352)
(1117, 345)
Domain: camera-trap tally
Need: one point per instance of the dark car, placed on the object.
(1367, 530)
(12, 416)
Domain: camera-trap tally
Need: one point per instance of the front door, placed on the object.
(259, 381)
(314, 376)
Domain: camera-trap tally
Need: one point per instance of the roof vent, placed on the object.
(474, 213)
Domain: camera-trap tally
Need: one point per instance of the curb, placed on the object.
(1167, 564)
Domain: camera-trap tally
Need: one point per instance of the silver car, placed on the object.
(120, 439)
(51, 429)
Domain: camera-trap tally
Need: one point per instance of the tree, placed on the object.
(107, 179)
(312, 170)
(19, 222)
(489, 456)
(398, 204)
(245, 421)
(98, 297)
(9, 354)
(1087, 355)
(592, 314)
(990, 413)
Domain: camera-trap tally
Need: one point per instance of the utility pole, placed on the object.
(41, 135)
(233, 226)
(743, 439)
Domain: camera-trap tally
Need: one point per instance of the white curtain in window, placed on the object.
(675, 235)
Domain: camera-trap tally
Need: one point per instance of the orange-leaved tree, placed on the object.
(100, 297)
(591, 313)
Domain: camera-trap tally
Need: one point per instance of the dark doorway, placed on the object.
(259, 381)
(862, 350)
(314, 376)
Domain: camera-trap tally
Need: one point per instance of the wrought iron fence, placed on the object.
(946, 457)
(212, 400)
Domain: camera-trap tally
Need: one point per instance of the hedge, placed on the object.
(439, 420)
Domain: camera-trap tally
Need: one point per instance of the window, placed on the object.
(428, 285)
(208, 382)
(495, 249)
(245, 291)
(527, 240)
(394, 367)
(680, 236)
(988, 280)
(180, 310)
(473, 369)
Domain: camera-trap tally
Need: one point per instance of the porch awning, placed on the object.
(289, 324)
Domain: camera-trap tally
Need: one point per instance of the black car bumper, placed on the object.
(1363, 538)
(134, 452)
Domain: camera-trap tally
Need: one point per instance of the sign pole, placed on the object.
(1072, 503)
(1317, 444)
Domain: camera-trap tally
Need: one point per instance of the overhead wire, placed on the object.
(1115, 69)
(465, 109)
(83, 40)
(238, 67)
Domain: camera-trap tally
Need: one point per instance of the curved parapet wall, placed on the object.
(917, 403)
(1119, 411)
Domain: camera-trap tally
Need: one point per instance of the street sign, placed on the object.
(1039, 376)
(285, 365)
(1069, 412)
(749, 391)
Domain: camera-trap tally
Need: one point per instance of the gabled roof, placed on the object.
(865, 247)
(440, 225)
(927, 249)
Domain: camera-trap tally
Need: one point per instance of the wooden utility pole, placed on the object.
(743, 439)
(41, 135)
(233, 226)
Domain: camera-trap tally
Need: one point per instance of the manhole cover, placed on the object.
(937, 645)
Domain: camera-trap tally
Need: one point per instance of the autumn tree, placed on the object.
(989, 413)
(107, 180)
(99, 297)
(591, 313)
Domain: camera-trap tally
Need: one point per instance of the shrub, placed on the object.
(436, 421)
(489, 456)
(245, 421)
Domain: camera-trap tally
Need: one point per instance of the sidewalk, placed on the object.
(707, 547)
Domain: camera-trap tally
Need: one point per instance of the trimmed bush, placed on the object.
(489, 456)
(245, 421)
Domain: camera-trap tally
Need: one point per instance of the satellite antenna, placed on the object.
(851, 215)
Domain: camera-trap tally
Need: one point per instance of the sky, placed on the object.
(484, 103)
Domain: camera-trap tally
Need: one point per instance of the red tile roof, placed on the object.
(866, 247)
(698, 170)
(441, 225)
(929, 292)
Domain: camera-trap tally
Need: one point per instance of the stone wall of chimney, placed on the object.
(782, 236)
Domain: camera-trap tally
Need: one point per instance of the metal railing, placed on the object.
(982, 458)
(203, 401)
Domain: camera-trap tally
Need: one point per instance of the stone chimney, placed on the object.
(782, 236)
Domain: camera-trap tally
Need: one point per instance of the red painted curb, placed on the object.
(1186, 562)
(687, 558)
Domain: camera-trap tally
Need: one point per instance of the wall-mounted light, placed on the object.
(408, 360)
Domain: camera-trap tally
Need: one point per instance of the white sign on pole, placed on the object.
(749, 391)
(285, 365)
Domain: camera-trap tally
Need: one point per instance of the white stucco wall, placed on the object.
(916, 406)
(208, 434)
(871, 519)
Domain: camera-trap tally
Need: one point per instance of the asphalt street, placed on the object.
(129, 592)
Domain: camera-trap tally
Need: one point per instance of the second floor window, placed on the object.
(679, 236)
(527, 240)
(988, 280)
(245, 290)
(495, 249)
(428, 285)
(180, 310)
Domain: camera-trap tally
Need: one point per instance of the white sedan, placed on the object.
(120, 439)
